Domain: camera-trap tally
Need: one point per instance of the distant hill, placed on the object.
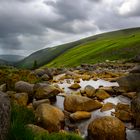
(122, 44)
(3, 62)
(11, 58)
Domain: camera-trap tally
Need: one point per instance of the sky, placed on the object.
(30, 25)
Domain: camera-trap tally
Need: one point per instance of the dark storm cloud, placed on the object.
(29, 25)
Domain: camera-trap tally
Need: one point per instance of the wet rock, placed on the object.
(130, 95)
(90, 91)
(36, 129)
(20, 98)
(107, 106)
(46, 91)
(49, 117)
(106, 128)
(36, 103)
(135, 107)
(101, 94)
(75, 86)
(108, 90)
(123, 115)
(80, 115)
(26, 87)
(5, 111)
(73, 103)
(123, 112)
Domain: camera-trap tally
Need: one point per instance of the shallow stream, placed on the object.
(131, 133)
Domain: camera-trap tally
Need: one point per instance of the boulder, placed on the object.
(46, 91)
(22, 86)
(45, 77)
(90, 91)
(106, 128)
(135, 107)
(108, 90)
(75, 86)
(130, 83)
(73, 103)
(5, 111)
(123, 112)
(36, 103)
(49, 117)
(40, 72)
(36, 129)
(80, 115)
(130, 95)
(136, 69)
(20, 98)
(107, 106)
(101, 94)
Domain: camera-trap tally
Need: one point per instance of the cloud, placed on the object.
(29, 25)
(130, 8)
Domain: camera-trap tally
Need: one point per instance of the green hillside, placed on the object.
(122, 44)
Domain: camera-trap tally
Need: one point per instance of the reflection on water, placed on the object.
(82, 125)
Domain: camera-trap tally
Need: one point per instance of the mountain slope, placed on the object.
(122, 44)
(46, 55)
(11, 58)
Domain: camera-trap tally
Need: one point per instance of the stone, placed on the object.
(20, 98)
(108, 90)
(123, 112)
(75, 86)
(123, 115)
(101, 94)
(130, 83)
(45, 77)
(36, 103)
(3, 87)
(5, 111)
(106, 128)
(90, 91)
(26, 87)
(135, 107)
(50, 117)
(130, 95)
(73, 103)
(46, 92)
(136, 69)
(85, 77)
(80, 115)
(107, 106)
(37, 130)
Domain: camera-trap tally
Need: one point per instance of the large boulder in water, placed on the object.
(130, 82)
(5, 110)
(45, 91)
(106, 128)
(135, 107)
(73, 103)
(90, 91)
(49, 117)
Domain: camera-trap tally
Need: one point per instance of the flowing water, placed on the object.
(82, 125)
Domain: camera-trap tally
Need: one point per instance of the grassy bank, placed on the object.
(21, 116)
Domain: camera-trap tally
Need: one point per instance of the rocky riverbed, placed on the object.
(93, 101)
